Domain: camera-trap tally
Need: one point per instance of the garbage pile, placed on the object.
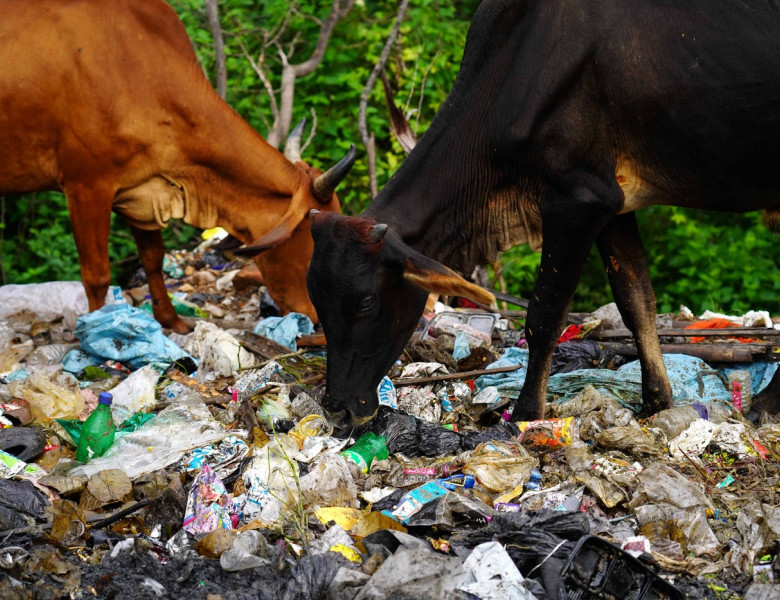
(203, 466)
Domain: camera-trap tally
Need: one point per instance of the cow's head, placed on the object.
(283, 253)
(369, 289)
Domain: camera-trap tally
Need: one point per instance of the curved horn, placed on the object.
(292, 147)
(325, 184)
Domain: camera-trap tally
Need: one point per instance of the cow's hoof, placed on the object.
(180, 327)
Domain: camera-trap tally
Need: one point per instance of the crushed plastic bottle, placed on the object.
(98, 432)
(368, 447)
(673, 421)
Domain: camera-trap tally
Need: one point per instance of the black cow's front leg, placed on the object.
(570, 223)
(620, 246)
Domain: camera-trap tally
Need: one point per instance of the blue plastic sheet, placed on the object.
(692, 380)
(122, 333)
(284, 330)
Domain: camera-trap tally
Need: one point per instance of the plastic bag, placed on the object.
(135, 394)
(160, 442)
(500, 467)
(128, 335)
(312, 576)
(23, 496)
(630, 439)
(284, 330)
(249, 550)
(491, 575)
(582, 354)
(51, 393)
(270, 478)
(221, 354)
(209, 505)
(51, 299)
(328, 483)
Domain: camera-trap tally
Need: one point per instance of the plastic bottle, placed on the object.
(311, 426)
(368, 447)
(673, 421)
(741, 387)
(98, 431)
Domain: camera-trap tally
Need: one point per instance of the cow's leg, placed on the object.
(570, 223)
(152, 252)
(624, 258)
(90, 218)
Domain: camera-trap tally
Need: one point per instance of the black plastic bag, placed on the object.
(23, 496)
(312, 575)
(582, 354)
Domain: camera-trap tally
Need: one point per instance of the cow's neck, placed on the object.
(238, 181)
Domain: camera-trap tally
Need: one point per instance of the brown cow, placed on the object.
(106, 102)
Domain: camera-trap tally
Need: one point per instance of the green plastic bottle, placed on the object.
(369, 446)
(98, 431)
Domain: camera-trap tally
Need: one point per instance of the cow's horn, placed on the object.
(313, 212)
(325, 184)
(377, 233)
(292, 148)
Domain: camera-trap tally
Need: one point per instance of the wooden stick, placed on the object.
(451, 376)
(708, 352)
(757, 332)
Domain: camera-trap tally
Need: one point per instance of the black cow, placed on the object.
(565, 118)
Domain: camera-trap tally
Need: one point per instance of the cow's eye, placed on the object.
(367, 304)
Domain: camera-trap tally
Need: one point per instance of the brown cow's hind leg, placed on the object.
(151, 251)
(621, 250)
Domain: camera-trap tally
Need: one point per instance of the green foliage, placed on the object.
(702, 260)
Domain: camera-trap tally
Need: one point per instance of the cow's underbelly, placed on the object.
(637, 192)
(152, 204)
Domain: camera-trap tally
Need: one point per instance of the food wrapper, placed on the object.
(224, 458)
(209, 505)
(10, 466)
(549, 433)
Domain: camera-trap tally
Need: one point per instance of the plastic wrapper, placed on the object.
(692, 442)
(11, 466)
(310, 426)
(420, 402)
(415, 573)
(270, 475)
(660, 483)
(387, 394)
(128, 335)
(549, 433)
(221, 354)
(500, 467)
(328, 483)
(633, 440)
(223, 458)
(285, 330)
(51, 393)
(47, 355)
(160, 442)
(135, 394)
(304, 405)
(491, 575)
(249, 383)
(249, 550)
(209, 506)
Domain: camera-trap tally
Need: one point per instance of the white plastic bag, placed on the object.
(134, 394)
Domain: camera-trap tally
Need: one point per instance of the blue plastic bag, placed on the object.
(284, 330)
(122, 333)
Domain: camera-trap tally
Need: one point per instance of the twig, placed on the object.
(450, 376)
(118, 515)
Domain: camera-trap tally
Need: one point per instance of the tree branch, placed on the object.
(212, 11)
(380, 65)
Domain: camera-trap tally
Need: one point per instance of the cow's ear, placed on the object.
(434, 277)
